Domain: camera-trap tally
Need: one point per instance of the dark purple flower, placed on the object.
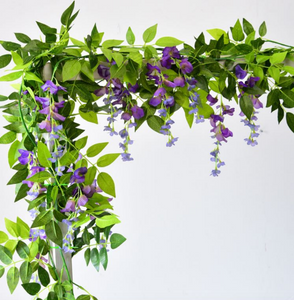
(25, 156)
(154, 101)
(251, 81)
(126, 116)
(211, 100)
(51, 87)
(138, 112)
(166, 62)
(101, 92)
(171, 52)
(82, 200)
(228, 111)
(69, 207)
(240, 73)
(44, 101)
(169, 102)
(104, 72)
(46, 124)
(216, 118)
(186, 66)
(153, 73)
(179, 81)
(169, 83)
(226, 133)
(133, 88)
(79, 175)
(162, 112)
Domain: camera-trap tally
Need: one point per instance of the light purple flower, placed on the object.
(186, 66)
(82, 200)
(138, 112)
(69, 207)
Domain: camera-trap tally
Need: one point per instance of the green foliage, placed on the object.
(150, 33)
(12, 278)
(106, 183)
(116, 240)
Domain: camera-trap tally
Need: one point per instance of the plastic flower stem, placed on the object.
(21, 116)
(82, 289)
(83, 155)
(53, 264)
(274, 42)
(65, 265)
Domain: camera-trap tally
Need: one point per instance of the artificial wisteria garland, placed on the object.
(69, 197)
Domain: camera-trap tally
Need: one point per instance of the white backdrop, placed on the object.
(190, 236)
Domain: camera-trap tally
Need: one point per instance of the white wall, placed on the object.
(190, 236)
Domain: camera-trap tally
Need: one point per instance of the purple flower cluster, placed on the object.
(257, 104)
(219, 130)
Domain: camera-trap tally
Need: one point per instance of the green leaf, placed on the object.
(89, 116)
(12, 278)
(106, 221)
(95, 258)
(16, 58)
(248, 28)
(111, 43)
(31, 76)
(23, 38)
(275, 73)
(83, 297)
(13, 153)
(107, 159)
(18, 177)
(22, 250)
(118, 58)
(8, 137)
(90, 175)
(87, 256)
(150, 33)
(262, 29)
(46, 29)
(54, 233)
(237, 32)
(168, 41)
(71, 69)
(290, 120)
(43, 276)
(43, 155)
(96, 149)
(11, 245)
(288, 97)
(107, 53)
(12, 76)
(136, 57)
(103, 258)
(22, 192)
(40, 177)
(116, 240)
(10, 46)
(52, 296)
(12, 228)
(43, 218)
(69, 158)
(24, 230)
(130, 36)
(81, 143)
(2, 271)
(246, 106)
(155, 123)
(277, 58)
(5, 60)
(217, 33)
(26, 272)
(3, 237)
(273, 97)
(32, 288)
(65, 17)
(86, 237)
(5, 255)
(106, 183)
(289, 69)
